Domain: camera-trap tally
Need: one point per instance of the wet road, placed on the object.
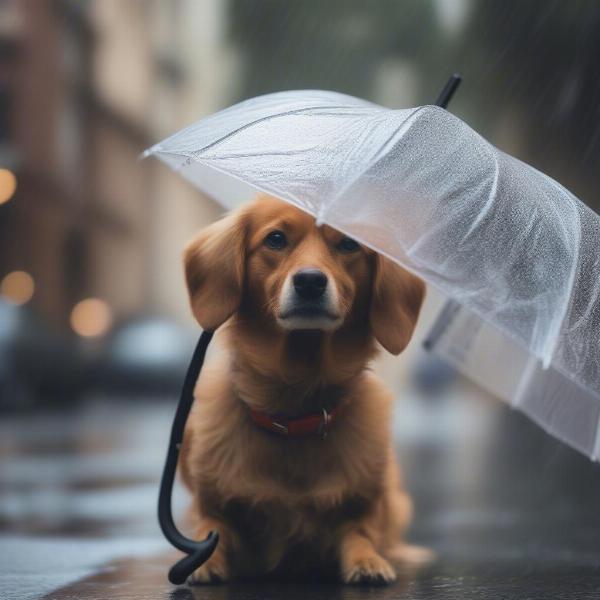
(509, 512)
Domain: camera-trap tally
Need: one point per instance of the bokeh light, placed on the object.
(17, 287)
(91, 317)
(8, 185)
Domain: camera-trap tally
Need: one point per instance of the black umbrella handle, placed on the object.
(197, 552)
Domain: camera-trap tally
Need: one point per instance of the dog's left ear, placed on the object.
(214, 270)
(395, 304)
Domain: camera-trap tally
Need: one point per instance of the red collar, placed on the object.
(315, 424)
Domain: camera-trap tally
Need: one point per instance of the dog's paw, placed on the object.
(371, 569)
(212, 571)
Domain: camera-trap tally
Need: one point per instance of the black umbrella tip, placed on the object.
(448, 91)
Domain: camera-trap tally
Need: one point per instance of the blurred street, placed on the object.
(510, 512)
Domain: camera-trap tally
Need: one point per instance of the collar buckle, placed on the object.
(324, 426)
(280, 427)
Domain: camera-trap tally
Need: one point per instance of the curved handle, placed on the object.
(182, 569)
(198, 552)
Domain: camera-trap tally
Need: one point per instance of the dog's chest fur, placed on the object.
(241, 467)
(281, 495)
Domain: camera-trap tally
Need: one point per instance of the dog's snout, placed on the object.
(310, 284)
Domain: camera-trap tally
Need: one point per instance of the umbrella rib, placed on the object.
(196, 153)
(572, 275)
(482, 214)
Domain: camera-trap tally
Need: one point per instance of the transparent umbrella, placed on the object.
(514, 251)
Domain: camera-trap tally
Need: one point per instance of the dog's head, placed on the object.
(270, 261)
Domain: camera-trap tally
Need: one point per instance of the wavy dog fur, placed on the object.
(306, 506)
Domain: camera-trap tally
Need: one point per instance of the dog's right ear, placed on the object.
(214, 270)
(395, 304)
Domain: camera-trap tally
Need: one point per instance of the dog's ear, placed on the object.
(395, 304)
(214, 265)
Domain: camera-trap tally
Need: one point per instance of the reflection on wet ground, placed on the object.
(509, 512)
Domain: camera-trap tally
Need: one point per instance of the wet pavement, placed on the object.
(509, 512)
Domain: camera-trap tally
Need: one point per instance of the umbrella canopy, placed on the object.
(515, 251)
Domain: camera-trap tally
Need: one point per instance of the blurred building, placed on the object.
(85, 88)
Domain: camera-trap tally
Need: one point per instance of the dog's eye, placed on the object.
(347, 245)
(276, 240)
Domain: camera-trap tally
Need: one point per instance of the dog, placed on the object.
(288, 451)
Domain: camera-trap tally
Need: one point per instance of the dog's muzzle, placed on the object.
(309, 301)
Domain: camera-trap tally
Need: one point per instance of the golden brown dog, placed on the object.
(303, 307)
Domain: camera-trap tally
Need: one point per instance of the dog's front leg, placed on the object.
(360, 562)
(216, 568)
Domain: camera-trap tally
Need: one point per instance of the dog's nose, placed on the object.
(310, 284)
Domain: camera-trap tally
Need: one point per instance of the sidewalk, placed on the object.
(510, 512)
